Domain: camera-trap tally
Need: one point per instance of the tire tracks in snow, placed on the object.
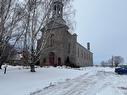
(92, 80)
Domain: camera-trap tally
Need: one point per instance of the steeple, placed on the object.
(56, 15)
(57, 9)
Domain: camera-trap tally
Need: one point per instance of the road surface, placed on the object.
(94, 82)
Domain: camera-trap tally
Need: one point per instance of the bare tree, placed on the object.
(10, 19)
(103, 64)
(106, 63)
(114, 61)
(69, 14)
(117, 60)
(24, 20)
(38, 13)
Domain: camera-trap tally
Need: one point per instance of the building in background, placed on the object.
(60, 47)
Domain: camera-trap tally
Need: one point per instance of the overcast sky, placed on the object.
(103, 23)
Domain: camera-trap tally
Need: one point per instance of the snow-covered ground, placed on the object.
(62, 81)
(19, 81)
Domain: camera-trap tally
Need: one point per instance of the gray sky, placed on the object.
(103, 23)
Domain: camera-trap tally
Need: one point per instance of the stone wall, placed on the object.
(83, 56)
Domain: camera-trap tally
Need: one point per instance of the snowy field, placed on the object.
(62, 81)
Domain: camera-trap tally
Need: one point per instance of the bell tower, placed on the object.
(57, 9)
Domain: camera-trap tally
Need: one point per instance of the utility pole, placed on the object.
(112, 61)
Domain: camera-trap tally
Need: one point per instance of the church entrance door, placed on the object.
(59, 61)
(51, 58)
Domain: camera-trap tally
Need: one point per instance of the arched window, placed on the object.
(52, 40)
(82, 53)
(85, 55)
(44, 60)
(69, 48)
(59, 10)
(78, 52)
(59, 61)
(55, 8)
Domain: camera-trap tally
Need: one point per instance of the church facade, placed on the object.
(60, 47)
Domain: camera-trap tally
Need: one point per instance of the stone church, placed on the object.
(60, 47)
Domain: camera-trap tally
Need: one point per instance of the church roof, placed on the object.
(55, 24)
(78, 44)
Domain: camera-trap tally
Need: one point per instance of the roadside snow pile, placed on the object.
(19, 81)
